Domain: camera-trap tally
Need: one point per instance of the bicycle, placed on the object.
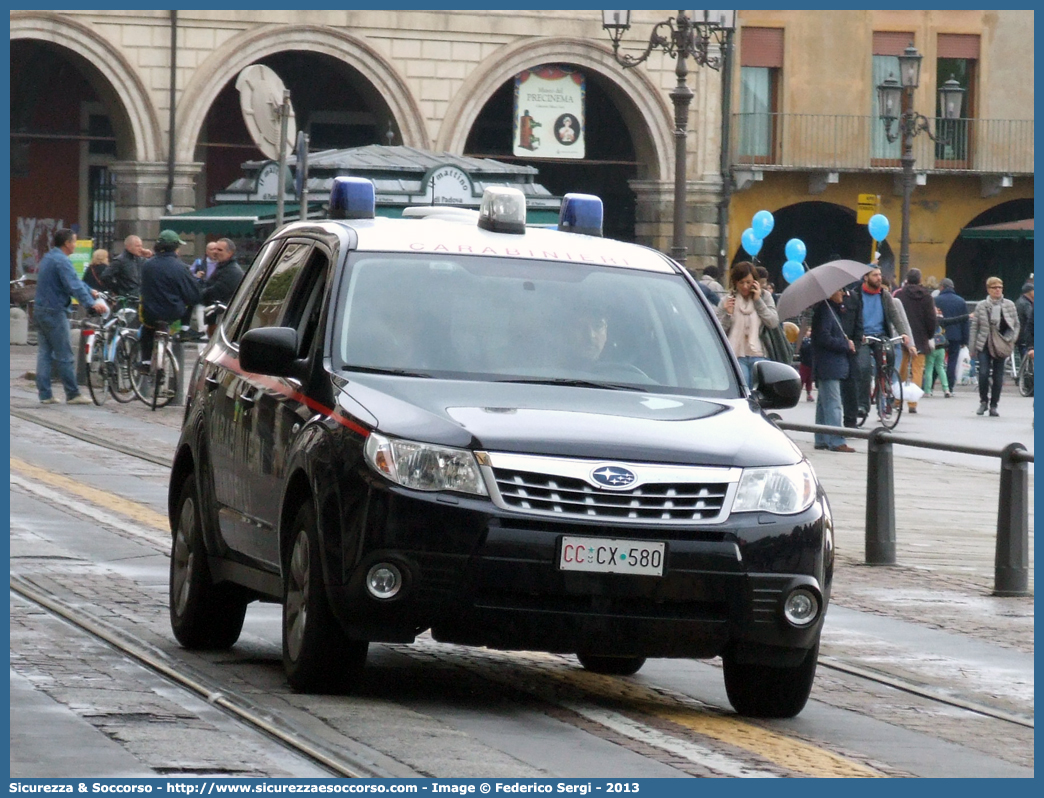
(1024, 379)
(158, 384)
(107, 352)
(886, 390)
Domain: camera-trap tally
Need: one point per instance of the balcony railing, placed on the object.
(832, 142)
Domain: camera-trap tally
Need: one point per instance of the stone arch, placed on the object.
(125, 88)
(639, 100)
(226, 62)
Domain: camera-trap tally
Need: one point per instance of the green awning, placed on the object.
(231, 219)
(1020, 230)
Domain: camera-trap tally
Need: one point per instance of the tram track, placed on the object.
(285, 732)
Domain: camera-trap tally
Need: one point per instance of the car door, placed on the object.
(221, 385)
(269, 410)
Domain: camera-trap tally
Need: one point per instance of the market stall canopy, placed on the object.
(1020, 230)
(231, 219)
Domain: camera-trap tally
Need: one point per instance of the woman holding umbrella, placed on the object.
(831, 350)
(742, 314)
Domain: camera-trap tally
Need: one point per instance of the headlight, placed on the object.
(783, 489)
(422, 466)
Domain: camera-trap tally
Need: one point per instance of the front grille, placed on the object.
(575, 498)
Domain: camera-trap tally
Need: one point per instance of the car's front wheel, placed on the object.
(611, 666)
(317, 656)
(202, 615)
(766, 691)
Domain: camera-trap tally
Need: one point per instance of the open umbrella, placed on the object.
(818, 284)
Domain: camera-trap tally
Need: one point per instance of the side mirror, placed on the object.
(272, 351)
(776, 385)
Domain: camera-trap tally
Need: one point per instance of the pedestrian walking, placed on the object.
(994, 331)
(852, 324)
(56, 286)
(1024, 307)
(92, 275)
(917, 301)
(123, 277)
(710, 277)
(831, 350)
(934, 361)
(805, 366)
(953, 307)
(743, 313)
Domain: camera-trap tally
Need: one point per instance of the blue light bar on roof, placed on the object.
(581, 213)
(352, 198)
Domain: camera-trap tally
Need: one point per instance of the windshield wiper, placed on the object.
(394, 372)
(573, 383)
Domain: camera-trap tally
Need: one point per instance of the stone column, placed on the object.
(141, 195)
(654, 210)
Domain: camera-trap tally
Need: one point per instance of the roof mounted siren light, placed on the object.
(503, 210)
(581, 213)
(352, 198)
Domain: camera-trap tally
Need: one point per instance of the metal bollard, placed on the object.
(1011, 564)
(79, 346)
(880, 500)
(177, 349)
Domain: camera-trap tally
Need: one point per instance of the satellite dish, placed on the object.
(260, 97)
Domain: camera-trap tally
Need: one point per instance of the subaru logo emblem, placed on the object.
(612, 477)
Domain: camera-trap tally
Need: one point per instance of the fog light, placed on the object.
(802, 607)
(384, 580)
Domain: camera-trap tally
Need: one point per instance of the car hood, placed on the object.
(570, 421)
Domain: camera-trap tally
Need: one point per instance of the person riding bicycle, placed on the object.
(168, 291)
(880, 318)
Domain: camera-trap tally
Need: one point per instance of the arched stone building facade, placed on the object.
(420, 78)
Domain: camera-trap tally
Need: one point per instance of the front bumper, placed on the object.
(476, 575)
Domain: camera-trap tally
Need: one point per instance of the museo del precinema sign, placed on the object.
(549, 113)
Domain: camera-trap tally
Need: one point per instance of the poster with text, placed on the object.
(549, 113)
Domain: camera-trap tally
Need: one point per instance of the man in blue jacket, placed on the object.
(168, 290)
(952, 305)
(56, 286)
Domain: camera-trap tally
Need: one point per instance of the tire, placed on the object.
(889, 403)
(763, 691)
(317, 655)
(97, 369)
(202, 615)
(1026, 377)
(141, 384)
(165, 382)
(611, 666)
(120, 369)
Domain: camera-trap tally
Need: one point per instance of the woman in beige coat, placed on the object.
(742, 314)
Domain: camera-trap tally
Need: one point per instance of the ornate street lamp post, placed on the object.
(895, 100)
(690, 34)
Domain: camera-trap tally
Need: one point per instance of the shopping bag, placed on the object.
(912, 391)
(963, 372)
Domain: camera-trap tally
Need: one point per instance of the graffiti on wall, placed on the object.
(34, 241)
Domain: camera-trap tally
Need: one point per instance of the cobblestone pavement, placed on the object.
(945, 547)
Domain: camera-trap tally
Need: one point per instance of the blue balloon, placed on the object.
(750, 242)
(792, 270)
(762, 223)
(795, 250)
(878, 226)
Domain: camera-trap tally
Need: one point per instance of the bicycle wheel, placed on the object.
(889, 400)
(165, 382)
(1025, 380)
(141, 382)
(97, 373)
(120, 385)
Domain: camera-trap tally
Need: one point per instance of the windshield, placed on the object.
(486, 318)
